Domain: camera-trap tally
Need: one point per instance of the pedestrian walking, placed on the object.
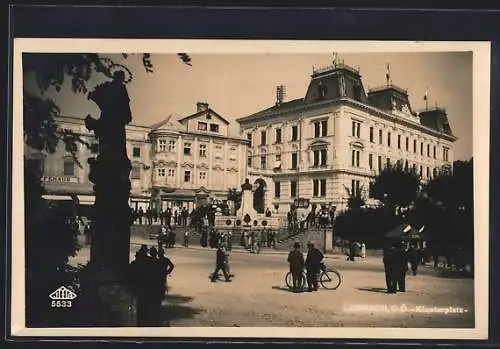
(186, 238)
(296, 262)
(313, 266)
(220, 264)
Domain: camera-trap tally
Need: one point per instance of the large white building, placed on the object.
(338, 137)
(174, 162)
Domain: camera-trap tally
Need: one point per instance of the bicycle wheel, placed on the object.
(330, 279)
(289, 280)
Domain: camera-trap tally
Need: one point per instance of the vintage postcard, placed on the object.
(250, 189)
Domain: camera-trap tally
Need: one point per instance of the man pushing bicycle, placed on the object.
(313, 266)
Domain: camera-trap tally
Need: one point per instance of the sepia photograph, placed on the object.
(212, 188)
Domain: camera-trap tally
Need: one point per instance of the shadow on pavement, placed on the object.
(172, 312)
(373, 289)
(281, 288)
(177, 299)
(453, 274)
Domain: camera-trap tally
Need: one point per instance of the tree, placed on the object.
(395, 186)
(355, 199)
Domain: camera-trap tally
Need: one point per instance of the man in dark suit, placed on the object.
(313, 266)
(296, 262)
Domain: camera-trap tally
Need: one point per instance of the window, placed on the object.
(249, 161)
(428, 172)
(262, 137)
(203, 176)
(135, 173)
(94, 148)
(324, 128)
(388, 162)
(249, 137)
(203, 150)
(380, 163)
(399, 141)
(162, 145)
(294, 161)
(434, 152)
(354, 187)
(187, 148)
(171, 146)
(355, 158)
(293, 189)
(69, 167)
(161, 172)
(187, 176)
(171, 172)
(278, 135)
(421, 171)
(414, 145)
(316, 156)
(388, 139)
(428, 150)
(317, 129)
(136, 152)
(414, 168)
(380, 136)
(277, 189)
(278, 157)
(371, 134)
(407, 144)
(356, 129)
(295, 132)
(214, 128)
(202, 126)
(406, 165)
(263, 162)
(319, 187)
(370, 161)
(445, 154)
(320, 128)
(434, 172)
(70, 146)
(421, 148)
(323, 157)
(322, 187)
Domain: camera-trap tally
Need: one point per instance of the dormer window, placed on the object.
(209, 116)
(202, 126)
(214, 128)
(322, 91)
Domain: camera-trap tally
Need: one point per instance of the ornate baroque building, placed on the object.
(338, 138)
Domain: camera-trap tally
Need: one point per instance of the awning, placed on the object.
(57, 197)
(86, 199)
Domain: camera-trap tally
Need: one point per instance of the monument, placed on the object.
(109, 254)
(246, 201)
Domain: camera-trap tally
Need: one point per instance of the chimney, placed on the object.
(280, 94)
(200, 106)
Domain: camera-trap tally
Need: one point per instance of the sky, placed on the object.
(237, 85)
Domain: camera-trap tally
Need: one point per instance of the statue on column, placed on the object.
(110, 248)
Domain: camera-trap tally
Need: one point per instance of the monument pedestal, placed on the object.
(246, 201)
(328, 241)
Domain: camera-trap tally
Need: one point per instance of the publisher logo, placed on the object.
(62, 298)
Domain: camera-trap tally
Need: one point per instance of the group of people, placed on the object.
(396, 259)
(168, 217)
(312, 264)
(213, 238)
(148, 279)
(322, 219)
(254, 240)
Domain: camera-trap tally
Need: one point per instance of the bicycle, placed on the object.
(329, 278)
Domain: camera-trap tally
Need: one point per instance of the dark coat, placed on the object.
(296, 261)
(313, 260)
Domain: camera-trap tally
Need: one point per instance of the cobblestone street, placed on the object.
(258, 296)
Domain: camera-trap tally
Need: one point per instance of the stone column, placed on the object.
(112, 300)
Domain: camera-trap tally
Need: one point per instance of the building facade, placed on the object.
(174, 163)
(337, 138)
(194, 159)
